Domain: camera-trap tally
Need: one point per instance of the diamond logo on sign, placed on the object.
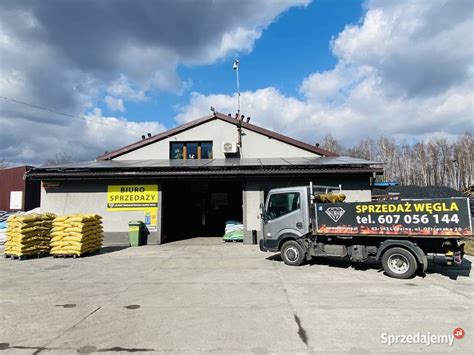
(335, 213)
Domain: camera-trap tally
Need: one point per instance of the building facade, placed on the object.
(186, 182)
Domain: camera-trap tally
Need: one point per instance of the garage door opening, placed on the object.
(199, 209)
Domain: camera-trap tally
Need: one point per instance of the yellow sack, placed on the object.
(60, 219)
(21, 235)
(57, 238)
(78, 219)
(58, 229)
(57, 248)
(330, 198)
(72, 238)
(29, 218)
(77, 238)
(74, 244)
(79, 230)
(73, 229)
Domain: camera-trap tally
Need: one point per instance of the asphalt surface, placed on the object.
(201, 295)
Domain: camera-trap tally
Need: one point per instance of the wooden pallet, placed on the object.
(25, 257)
(75, 256)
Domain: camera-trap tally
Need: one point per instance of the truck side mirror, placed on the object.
(263, 215)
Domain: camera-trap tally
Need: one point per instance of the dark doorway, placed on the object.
(199, 209)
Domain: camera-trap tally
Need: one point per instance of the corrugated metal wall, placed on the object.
(11, 179)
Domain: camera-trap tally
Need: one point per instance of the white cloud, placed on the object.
(49, 134)
(121, 51)
(141, 41)
(241, 39)
(406, 71)
(418, 48)
(114, 104)
(119, 131)
(122, 87)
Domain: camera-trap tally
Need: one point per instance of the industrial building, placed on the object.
(186, 182)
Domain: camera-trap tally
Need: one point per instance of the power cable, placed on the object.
(67, 115)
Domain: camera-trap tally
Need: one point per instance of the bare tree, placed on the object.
(59, 159)
(387, 153)
(436, 162)
(330, 143)
(463, 156)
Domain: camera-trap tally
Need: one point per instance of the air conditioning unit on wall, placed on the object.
(229, 147)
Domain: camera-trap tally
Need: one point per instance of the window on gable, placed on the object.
(191, 150)
(206, 150)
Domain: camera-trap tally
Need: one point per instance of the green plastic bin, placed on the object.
(136, 233)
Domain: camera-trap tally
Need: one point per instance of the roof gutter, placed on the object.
(51, 175)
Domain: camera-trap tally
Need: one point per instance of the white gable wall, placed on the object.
(254, 145)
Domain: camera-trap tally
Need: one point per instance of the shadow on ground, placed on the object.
(112, 248)
(338, 263)
(451, 271)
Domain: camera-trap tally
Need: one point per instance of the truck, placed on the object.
(313, 221)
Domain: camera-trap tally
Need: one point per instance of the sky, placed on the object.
(354, 69)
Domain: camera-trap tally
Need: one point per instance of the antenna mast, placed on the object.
(236, 68)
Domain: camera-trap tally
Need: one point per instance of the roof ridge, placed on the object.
(154, 138)
(204, 119)
(279, 136)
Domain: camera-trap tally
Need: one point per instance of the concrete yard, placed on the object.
(201, 295)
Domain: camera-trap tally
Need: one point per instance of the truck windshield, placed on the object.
(281, 204)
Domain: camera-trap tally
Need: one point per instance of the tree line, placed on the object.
(435, 162)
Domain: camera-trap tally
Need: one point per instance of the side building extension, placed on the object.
(16, 192)
(188, 181)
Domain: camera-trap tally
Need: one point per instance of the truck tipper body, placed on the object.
(402, 234)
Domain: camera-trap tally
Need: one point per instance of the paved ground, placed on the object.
(204, 296)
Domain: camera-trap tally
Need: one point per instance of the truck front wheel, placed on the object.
(292, 253)
(399, 263)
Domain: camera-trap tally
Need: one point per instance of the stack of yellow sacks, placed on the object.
(28, 234)
(76, 234)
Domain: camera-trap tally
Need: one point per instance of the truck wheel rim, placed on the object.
(292, 254)
(398, 264)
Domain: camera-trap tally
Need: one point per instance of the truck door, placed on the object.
(285, 214)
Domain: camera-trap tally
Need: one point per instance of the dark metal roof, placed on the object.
(249, 167)
(220, 116)
(228, 162)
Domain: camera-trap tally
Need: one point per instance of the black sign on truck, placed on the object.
(430, 217)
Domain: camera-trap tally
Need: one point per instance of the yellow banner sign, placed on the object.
(132, 197)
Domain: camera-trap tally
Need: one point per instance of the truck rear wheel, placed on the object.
(292, 253)
(399, 263)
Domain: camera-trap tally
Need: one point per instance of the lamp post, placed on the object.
(236, 68)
